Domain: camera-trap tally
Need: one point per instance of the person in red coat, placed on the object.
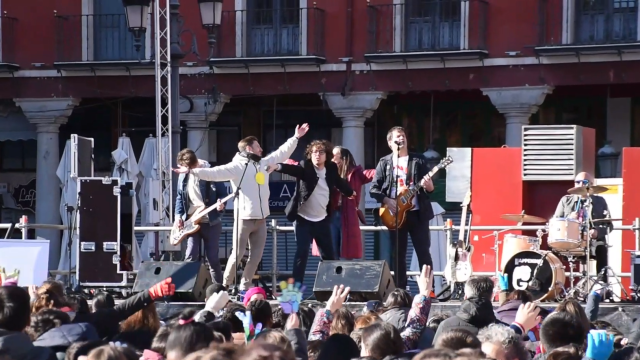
(346, 217)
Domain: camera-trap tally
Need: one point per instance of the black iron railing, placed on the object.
(591, 23)
(271, 33)
(427, 25)
(106, 38)
(8, 40)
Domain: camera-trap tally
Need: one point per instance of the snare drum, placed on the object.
(564, 234)
(513, 244)
(550, 276)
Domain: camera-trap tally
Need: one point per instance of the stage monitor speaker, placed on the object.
(190, 277)
(368, 279)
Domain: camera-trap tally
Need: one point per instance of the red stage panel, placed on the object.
(496, 189)
(630, 204)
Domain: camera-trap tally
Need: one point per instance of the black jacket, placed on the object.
(107, 321)
(59, 339)
(306, 182)
(383, 181)
(474, 314)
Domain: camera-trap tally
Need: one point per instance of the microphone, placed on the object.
(399, 143)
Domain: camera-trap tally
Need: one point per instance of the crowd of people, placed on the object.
(44, 323)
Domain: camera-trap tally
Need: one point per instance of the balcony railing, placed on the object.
(8, 40)
(95, 38)
(271, 33)
(588, 23)
(427, 26)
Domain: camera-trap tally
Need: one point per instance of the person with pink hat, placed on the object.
(255, 293)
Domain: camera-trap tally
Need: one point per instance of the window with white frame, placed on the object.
(431, 25)
(270, 28)
(599, 22)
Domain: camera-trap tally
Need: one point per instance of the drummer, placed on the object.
(573, 206)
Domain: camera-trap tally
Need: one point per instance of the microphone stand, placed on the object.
(395, 181)
(236, 238)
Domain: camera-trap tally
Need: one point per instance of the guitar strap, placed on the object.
(411, 170)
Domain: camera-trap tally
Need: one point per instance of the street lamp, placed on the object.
(211, 17)
(137, 12)
(608, 161)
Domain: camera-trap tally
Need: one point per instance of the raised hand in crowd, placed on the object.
(527, 316)
(599, 345)
(293, 322)
(162, 289)
(425, 281)
(337, 298)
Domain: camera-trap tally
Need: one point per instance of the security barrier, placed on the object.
(275, 229)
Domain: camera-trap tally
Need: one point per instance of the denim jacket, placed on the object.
(211, 192)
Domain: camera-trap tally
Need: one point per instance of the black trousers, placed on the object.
(306, 231)
(602, 258)
(421, 239)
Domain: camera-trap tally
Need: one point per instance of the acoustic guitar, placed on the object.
(405, 199)
(458, 268)
(191, 226)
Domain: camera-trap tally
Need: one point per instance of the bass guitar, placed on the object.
(405, 199)
(458, 268)
(191, 226)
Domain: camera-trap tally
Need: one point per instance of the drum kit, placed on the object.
(542, 272)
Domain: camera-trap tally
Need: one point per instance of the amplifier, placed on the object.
(105, 232)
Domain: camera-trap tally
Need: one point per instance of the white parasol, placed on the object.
(149, 194)
(69, 197)
(126, 169)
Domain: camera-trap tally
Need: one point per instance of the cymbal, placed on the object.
(523, 218)
(591, 190)
(603, 220)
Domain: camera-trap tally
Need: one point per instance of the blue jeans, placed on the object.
(336, 232)
(210, 235)
(306, 231)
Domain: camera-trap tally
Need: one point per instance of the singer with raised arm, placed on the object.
(404, 169)
(250, 181)
(576, 207)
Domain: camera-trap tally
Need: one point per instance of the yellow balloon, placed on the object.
(260, 178)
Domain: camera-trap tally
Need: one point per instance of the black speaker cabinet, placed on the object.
(190, 277)
(368, 279)
(105, 233)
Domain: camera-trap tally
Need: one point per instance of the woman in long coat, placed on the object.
(345, 228)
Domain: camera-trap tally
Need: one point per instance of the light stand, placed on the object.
(395, 181)
(236, 222)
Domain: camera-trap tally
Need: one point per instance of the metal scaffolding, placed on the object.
(162, 27)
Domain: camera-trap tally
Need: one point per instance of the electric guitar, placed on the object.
(191, 226)
(405, 197)
(458, 268)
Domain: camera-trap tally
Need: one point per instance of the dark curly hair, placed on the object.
(322, 144)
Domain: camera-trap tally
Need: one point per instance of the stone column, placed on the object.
(197, 120)
(354, 109)
(517, 104)
(48, 115)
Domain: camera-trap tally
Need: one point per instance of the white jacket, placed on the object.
(253, 201)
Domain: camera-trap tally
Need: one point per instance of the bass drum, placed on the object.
(549, 276)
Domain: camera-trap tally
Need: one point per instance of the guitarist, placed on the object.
(194, 194)
(411, 169)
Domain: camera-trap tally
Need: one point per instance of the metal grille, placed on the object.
(550, 152)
